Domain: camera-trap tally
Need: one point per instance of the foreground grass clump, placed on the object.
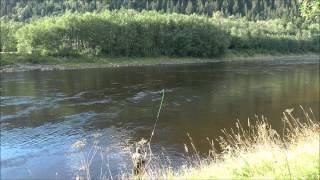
(258, 152)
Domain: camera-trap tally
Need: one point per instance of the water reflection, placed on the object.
(43, 113)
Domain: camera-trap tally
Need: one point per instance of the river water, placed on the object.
(44, 113)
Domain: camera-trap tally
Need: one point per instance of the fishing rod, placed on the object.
(156, 121)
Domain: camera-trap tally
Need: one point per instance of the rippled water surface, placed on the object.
(44, 113)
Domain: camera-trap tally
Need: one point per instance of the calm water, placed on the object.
(44, 113)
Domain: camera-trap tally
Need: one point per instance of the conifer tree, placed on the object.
(189, 7)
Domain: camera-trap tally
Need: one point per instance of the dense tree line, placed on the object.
(276, 35)
(150, 33)
(123, 33)
(251, 9)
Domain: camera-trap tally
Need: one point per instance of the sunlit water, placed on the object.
(44, 113)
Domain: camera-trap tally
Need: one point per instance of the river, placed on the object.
(44, 113)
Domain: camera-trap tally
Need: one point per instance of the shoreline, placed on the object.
(63, 63)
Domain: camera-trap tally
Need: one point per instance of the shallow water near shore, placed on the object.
(44, 113)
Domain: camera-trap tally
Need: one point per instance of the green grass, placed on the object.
(11, 59)
(267, 161)
(8, 59)
(257, 152)
(251, 151)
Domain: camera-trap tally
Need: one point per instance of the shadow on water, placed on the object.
(43, 113)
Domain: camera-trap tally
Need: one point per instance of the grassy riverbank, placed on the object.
(264, 161)
(11, 62)
(256, 151)
(252, 150)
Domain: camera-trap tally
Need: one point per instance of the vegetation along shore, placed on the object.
(252, 150)
(130, 34)
(19, 63)
(256, 151)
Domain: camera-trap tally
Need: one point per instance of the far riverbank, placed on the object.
(16, 63)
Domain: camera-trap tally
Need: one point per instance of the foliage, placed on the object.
(21, 10)
(123, 33)
(270, 35)
(311, 9)
(7, 34)
(150, 33)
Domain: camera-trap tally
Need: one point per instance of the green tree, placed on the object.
(310, 9)
(189, 8)
(7, 35)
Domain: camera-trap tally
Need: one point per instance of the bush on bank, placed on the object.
(128, 33)
(123, 33)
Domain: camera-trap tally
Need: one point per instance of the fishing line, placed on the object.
(155, 124)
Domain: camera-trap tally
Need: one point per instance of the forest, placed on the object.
(140, 33)
(21, 10)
